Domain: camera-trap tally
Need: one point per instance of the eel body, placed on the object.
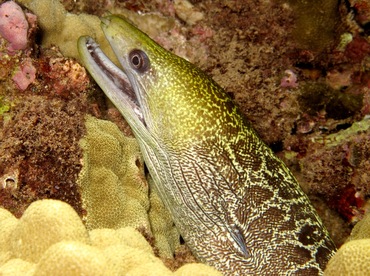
(236, 205)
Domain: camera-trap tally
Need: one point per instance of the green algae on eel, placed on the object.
(236, 205)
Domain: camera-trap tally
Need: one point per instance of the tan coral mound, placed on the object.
(62, 28)
(5, 214)
(72, 258)
(44, 223)
(50, 239)
(8, 223)
(125, 260)
(112, 185)
(361, 229)
(113, 188)
(16, 267)
(352, 258)
(127, 236)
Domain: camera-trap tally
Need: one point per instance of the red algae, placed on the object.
(46, 96)
(52, 65)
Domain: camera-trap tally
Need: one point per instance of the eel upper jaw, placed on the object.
(109, 77)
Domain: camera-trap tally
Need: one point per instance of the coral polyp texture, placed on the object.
(112, 184)
(62, 28)
(361, 229)
(113, 188)
(50, 239)
(353, 257)
(44, 223)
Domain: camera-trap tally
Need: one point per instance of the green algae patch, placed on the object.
(336, 139)
(4, 106)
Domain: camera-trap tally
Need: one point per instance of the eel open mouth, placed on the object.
(108, 75)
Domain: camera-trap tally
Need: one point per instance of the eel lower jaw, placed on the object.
(112, 75)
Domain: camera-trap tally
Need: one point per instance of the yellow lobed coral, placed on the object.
(5, 256)
(44, 223)
(63, 29)
(72, 258)
(149, 269)
(112, 184)
(53, 25)
(361, 229)
(125, 260)
(114, 190)
(7, 225)
(63, 246)
(352, 258)
(5, 214)
(15, 267)
(128, 236)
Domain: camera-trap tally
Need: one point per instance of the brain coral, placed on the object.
(196, 269)
(127, 236)
(114, 190)
(44, 223)
(50, 239)
(7, 225)
(352, 258)
(17, 267)
(361, 229)
(62, 28)
(112, 183)
(126, 260)
(72, 258)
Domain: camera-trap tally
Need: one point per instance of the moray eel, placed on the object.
(236, 205)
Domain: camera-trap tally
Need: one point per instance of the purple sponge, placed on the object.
(13, 26)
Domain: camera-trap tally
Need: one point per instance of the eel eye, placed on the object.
(139, 60)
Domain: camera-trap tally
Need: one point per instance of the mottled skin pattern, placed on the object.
(235, 203)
